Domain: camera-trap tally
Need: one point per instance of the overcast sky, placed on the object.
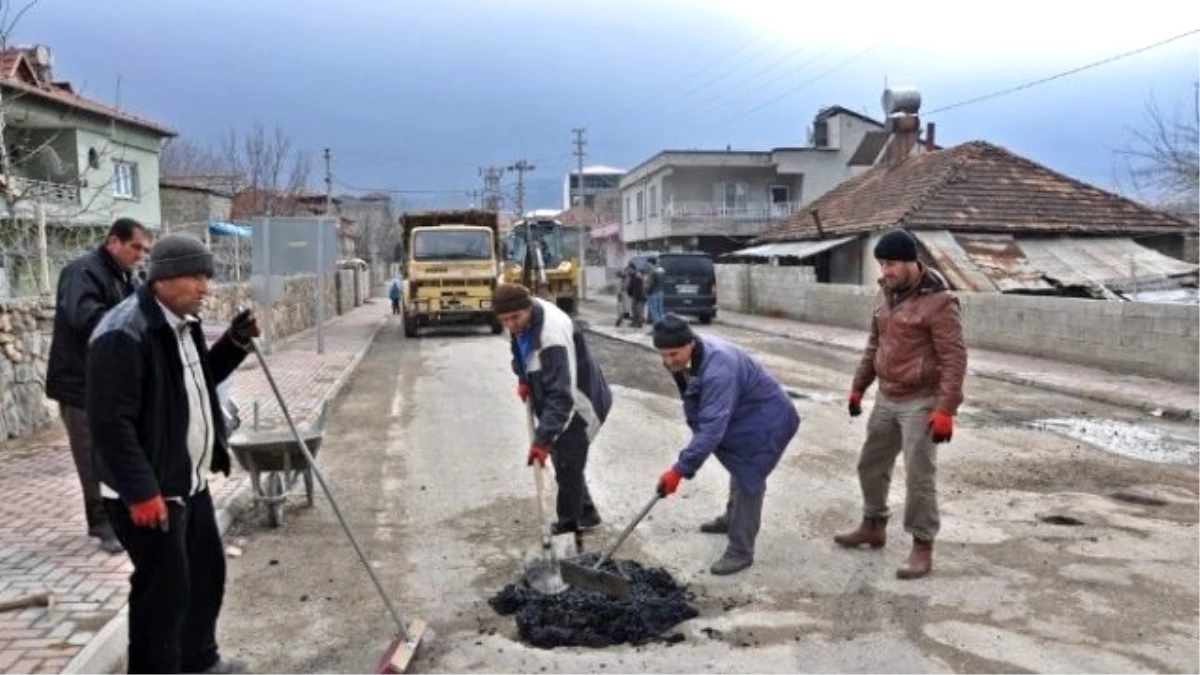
(417, 95)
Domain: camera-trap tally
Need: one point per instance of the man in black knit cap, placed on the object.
(158, 431)
(737, 411)
(916, 352)
(558, 377)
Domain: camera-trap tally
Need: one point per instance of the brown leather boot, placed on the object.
(872, 532)
(919, 562)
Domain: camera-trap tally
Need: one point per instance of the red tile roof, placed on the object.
(17, 74)
(973, 187)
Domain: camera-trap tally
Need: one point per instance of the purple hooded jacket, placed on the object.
(736, 410)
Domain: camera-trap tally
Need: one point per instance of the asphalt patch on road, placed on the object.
(580, 618)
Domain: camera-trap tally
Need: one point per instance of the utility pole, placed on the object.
(321, 254)
(584, 232)
(521, 166)
(491, 187)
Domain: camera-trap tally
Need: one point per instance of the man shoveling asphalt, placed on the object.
(737, 411)
(570, 398)
(916, 352)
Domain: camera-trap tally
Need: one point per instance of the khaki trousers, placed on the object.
(895, 428)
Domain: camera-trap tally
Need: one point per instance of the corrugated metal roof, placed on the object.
(791, 249)
(1115, 262)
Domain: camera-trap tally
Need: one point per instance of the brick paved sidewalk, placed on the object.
(43, 545)
(1144, 393)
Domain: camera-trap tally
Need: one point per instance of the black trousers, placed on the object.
(79, 436)
(569, 455)
(177, 586)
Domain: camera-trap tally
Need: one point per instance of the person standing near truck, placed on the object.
(654, 289)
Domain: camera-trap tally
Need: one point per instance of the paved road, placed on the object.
(427, 448)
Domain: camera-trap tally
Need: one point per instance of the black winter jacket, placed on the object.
(137, 402)
(89, 286)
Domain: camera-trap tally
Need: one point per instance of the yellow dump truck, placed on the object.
(556, 275)
(451, 261)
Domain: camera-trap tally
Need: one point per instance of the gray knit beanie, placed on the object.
(672, 332)
(177, 255)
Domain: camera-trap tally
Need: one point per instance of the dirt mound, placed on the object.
(579, 618)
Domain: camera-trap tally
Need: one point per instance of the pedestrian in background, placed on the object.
(88, 287)
(917, 354)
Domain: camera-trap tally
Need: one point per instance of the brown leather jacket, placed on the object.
(916, 346)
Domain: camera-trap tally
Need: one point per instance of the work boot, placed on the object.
(872, 532)
(110, 544)
(729, 564)
(590, 520)
(919, 562)
(718, 525)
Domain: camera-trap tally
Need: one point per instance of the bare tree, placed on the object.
(1163, 159)
(273, 173)
(182, 157)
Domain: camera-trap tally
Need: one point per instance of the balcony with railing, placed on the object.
(724, 218)
(46, 192)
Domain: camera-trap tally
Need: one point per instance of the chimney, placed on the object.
(901, 106)
(930, 143)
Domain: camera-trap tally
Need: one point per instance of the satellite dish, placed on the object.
(42, 56)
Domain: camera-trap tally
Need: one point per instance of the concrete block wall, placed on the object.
(1151, 339)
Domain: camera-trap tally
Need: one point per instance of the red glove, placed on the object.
(669, 482)
(941, 426)
(538, 454)
(149, 513)
(855, 403)
(523, 390)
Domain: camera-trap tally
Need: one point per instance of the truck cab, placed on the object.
(451, 260)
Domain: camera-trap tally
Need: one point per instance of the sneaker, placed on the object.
(729, 565)
(718, 525)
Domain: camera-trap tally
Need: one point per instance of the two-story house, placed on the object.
(715, 200)
(78, 162)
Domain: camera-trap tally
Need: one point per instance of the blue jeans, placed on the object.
(656, 307)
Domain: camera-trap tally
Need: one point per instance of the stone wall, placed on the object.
(1142, 338)
(291, 314)
(25, 328)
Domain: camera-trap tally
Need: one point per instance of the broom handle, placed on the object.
(312, 464)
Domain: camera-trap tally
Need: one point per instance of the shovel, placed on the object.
(595, 579)
(542, 574)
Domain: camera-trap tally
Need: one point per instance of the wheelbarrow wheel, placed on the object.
(275, 497)
(308, 486)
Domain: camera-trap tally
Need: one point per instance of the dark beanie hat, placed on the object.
(897, 245)
(177, 255)
(671, 332)
(511, 298)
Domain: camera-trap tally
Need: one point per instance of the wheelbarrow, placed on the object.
(275, 463)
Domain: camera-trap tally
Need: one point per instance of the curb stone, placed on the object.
(107, 649)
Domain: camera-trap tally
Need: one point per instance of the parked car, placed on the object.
(689, 285)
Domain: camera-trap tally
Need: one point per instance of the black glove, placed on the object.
(244, 328)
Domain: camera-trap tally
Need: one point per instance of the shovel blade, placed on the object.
(542, 576)
(592, 579)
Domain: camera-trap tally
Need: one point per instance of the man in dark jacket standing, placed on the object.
(89, 286)
(570, 397)
(158, 431)
(916, 352)
(736, 411)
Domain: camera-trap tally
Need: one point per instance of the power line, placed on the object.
(1080, 69)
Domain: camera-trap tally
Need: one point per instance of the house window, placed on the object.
(653, 201)
(125, 180)
(628, 212)
(641, 205)
(730, 195)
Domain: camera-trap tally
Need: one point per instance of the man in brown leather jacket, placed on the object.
(916, 352)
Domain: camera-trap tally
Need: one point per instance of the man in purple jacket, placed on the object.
(735, 410)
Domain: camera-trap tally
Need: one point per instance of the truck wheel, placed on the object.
(496, 327)
(410, 327)
(567, 305)
(706, 319)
